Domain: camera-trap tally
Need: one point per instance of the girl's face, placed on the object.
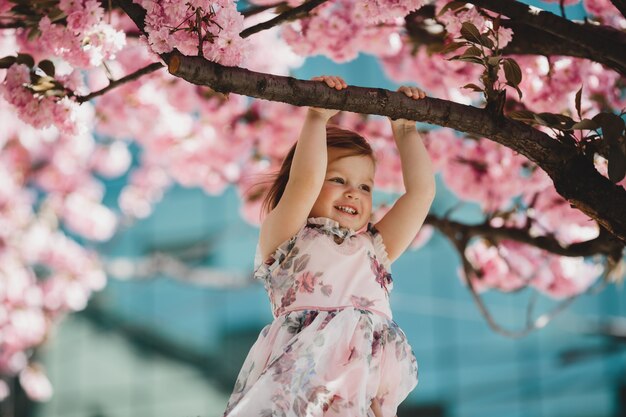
(346, 195)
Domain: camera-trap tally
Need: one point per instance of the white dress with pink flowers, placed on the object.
(333, 345)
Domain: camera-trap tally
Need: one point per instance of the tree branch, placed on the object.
(291, 14)
(130, 77)
(526, 40)
(603, 244)
(575, 177)
(460, 240)
(590, 38)
(12, 25)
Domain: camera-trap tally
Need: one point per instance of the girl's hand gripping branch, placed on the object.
(334, 82)
(401, 224)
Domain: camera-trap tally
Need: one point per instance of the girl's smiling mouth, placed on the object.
(347, 209)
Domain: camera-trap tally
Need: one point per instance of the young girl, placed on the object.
(333, 349)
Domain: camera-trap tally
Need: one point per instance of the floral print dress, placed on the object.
(333, 345)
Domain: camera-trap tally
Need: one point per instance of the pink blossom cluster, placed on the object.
(37, 110)
(291, 3)
(167, 20)
(386, 10)
(283, 56)
(434, 73)
(453, 20)
(44, 273)
(481, 171)
(511, 265)
(551, 85)
(340, 30)
(86, 40)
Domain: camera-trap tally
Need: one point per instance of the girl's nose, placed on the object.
(351, 193)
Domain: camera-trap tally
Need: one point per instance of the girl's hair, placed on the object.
(335, 138)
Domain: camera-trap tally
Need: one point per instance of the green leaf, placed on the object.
(512, 71)
(453, 46)
(577, 101)
(496, 24)
(519, 92)
(7, 61)
(470, 32)
(494, 60)
(47, 66)
(473, 87)
(522, 116)
(472, 59)
(617, 164)
(472, 51)
(557, 121)
(586, 124)
(612, 126)
(56, 14)
(26, 60)
(486, 41)
(33, 33)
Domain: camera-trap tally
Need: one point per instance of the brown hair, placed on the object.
(335, 138)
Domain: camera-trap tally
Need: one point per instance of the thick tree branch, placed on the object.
(291, 14)
(531, 41)
(526, 40)
(130, 77)
(591, 39)
(574, 176)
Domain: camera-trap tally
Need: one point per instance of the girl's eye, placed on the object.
(366, 188)
(337, 180)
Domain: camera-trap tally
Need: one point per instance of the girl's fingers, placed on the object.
(331, 81)
(413, 92)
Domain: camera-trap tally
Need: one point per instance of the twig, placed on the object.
(460, 243)
(130, 77)
(291, 14)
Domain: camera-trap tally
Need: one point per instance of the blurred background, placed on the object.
(164, 339)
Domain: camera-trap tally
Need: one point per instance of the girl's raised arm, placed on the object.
(306, 178)
(400, 225)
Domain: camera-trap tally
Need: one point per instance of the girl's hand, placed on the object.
(416, 94)
(334, 82)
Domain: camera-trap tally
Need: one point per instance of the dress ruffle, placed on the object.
(264, 267)
(294, 369)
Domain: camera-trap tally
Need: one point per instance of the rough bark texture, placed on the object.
(532, 41)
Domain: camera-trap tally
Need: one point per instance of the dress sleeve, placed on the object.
(264, 268)
(379, 246)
